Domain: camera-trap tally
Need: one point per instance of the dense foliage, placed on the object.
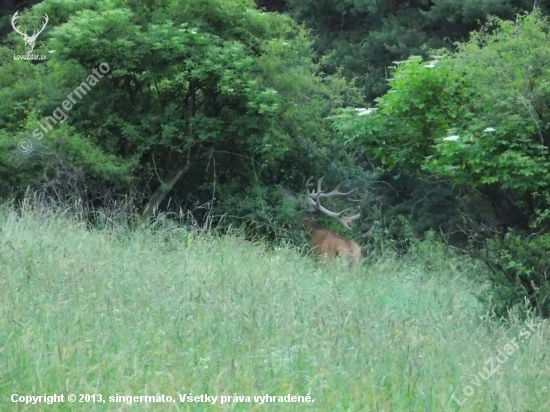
(213, 99)
(366, 36)
(215, 108)
(479, 119)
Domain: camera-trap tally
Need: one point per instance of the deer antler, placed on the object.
(313, 198)
(15, 16)
(24, 34)
(35, 33)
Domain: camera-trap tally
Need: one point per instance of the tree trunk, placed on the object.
(165, 186)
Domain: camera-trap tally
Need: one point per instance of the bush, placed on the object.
(520, 272)
(478, 119)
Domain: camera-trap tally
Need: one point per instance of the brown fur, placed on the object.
(326, 242)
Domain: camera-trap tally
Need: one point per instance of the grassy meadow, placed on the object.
(165, 311)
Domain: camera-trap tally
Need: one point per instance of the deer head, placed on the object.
(313, 198)
(29, 40)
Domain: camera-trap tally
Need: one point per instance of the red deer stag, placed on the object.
(324, 241)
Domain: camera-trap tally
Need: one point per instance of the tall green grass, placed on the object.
(166, 311)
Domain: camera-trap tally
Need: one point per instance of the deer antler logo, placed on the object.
(29, 40)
